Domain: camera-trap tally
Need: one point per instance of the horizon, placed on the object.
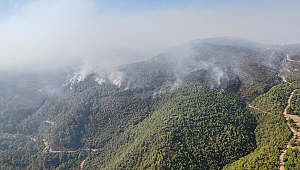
(53, 34)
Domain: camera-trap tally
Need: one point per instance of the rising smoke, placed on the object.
(55, 34)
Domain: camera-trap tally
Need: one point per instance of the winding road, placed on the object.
(283, 79)
(258, 109)
(288, 116)
(49, 122)
(82, 163)
(47, 145)
(288, 58)
(49, 149)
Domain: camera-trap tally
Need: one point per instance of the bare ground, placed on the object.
(82, 163)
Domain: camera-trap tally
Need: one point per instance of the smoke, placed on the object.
(178, 82)
(116, 78)
(43, 35)
(193, 57)
(101, 76)
(100, 80)
(79, 76)
(218, 75)
(37, 35)
(96, 37)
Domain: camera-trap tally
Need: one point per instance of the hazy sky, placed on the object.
(54, 33)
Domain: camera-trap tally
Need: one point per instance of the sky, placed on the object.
(51, 34)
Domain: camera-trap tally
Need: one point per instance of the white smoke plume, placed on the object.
(100, 80)
(116, 78)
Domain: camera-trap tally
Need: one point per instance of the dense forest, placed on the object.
(209, 104)
(182, 133)
(271, 132)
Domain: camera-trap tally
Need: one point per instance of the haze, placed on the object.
(52, 34)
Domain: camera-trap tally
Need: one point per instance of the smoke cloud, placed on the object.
(94, 34)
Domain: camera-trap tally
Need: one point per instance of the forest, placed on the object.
(220, 107)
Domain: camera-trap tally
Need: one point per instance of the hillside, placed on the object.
(182, 133)
(207, 104)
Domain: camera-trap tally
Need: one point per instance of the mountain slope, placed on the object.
(182, 133)
(169, 112)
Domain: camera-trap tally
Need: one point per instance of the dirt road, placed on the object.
(288, 58)
(82, 163)
(296, 134)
